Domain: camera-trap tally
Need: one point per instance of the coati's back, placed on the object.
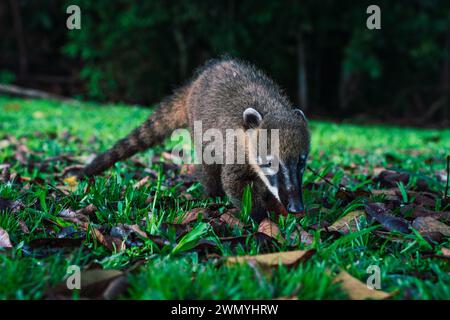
(224, 88)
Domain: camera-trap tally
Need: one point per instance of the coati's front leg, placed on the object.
(209, 177)
(234, 180)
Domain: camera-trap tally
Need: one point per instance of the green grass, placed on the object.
(174, 271)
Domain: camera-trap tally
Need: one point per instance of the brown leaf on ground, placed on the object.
(356, 290)
(88, 211)
(392, 194)
(390, 178)
(229, 217)
(102, 284)
(72, 216)
(125, 231)
(187, 169)
(179, 229)
(294, 298)
(5, 242)
(80, 216)
(5, 175)
(431, 228)
(347, 223)
(13, 206)
(197, 213)
(348, 196)
(111, 243)
(299, 235)
(445, 254)
(23, 227)
(426, 199)
(419, 211)
(55, 243)
(380, 213)
(141, 183)
(271, 229)
(137, 230)
(265, 242)
(287, 258)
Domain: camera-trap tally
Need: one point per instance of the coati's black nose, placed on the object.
(295, 206)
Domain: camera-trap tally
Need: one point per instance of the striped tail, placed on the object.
(170, 115)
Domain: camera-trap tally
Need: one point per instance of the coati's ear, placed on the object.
(252, 118)
(300, 113)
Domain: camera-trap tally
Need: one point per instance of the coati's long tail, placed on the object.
(170, 115)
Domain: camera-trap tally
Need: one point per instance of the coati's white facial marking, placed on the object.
(273, 189)
(287, 178)
(264, 170)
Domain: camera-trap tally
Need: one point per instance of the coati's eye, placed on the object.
(266, 165)
(265, 162)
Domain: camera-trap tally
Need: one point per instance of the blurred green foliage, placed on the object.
(137, 51)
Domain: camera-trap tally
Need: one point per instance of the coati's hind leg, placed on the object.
(209, 177)
(234, 184)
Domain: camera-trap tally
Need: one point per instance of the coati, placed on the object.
(230, 94)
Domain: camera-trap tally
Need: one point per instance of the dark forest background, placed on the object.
(320, 52)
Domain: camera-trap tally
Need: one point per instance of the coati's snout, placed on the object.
(285, 184)
(281, 170)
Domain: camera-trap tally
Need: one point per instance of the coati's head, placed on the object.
(280, 169)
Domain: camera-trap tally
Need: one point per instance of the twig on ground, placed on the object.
(325, 179)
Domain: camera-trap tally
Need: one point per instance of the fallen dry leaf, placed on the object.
(348, 196)
(13, 206)
(5, 175)
(138, 185)
(5, 242)
(431, 228)
(287, 258)
(265, 243)
(195, 215)
(111, 243)
(271, 229)
(347, 223)
(23, 227)
(380, 213)
(294, 298)
(80, 216)
(230, 218)
(356, 290)
(88, 211)
(392, 194)
(55, 243)
(445, 254)
(94, 284)
(299, 235)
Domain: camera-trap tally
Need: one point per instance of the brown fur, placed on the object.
(218, 96)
